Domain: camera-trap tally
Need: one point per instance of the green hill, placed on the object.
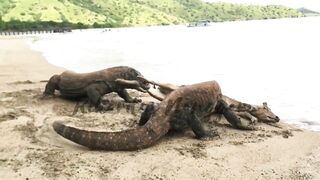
(117, 13)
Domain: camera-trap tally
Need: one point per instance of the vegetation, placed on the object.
(23, 26)
(29, 14)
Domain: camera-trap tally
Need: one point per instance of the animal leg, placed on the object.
(95, 92)
(80, 106)
(52, 85)
(197, 127)
(223, 108)
(147, 113)
(248, 116)
(125, 95)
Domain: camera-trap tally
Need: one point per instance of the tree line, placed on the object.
(16, 25)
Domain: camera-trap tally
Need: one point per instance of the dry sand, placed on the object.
(30, 148)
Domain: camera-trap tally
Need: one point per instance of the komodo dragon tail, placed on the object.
(131, 139)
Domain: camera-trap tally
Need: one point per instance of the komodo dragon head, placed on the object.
(262, 113)
(136, 79)
(142, 83)
(129, 78)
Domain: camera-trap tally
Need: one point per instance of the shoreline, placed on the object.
(31, 149)
(36, 70)
(18, 67)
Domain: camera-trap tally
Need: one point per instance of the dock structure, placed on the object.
(47, 31)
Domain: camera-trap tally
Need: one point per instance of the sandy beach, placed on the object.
(30, 149)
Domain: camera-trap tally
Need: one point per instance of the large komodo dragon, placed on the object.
(185, 106)
(96, 84)
(253, 113)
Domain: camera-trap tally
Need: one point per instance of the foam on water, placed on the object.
(254, 61)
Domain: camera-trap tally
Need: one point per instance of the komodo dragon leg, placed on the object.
(198, 128)
(248, 116)
(147, 113)
(94, 93)
(125, 95)
(231, 117)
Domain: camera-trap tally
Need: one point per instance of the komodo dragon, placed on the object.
(96, 84)
(250, 112)
(185, 106)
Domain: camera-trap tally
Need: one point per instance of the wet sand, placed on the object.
(31, 149)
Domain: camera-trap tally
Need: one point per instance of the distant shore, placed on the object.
(31, 149)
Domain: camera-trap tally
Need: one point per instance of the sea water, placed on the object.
(254, 61)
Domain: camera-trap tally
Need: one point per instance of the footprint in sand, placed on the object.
(11, 114)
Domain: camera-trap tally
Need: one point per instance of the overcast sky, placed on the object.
(310, 4)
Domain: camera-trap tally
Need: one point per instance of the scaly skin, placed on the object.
(260, 113)
(189, 104)
(96, 84)
(247, 111)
